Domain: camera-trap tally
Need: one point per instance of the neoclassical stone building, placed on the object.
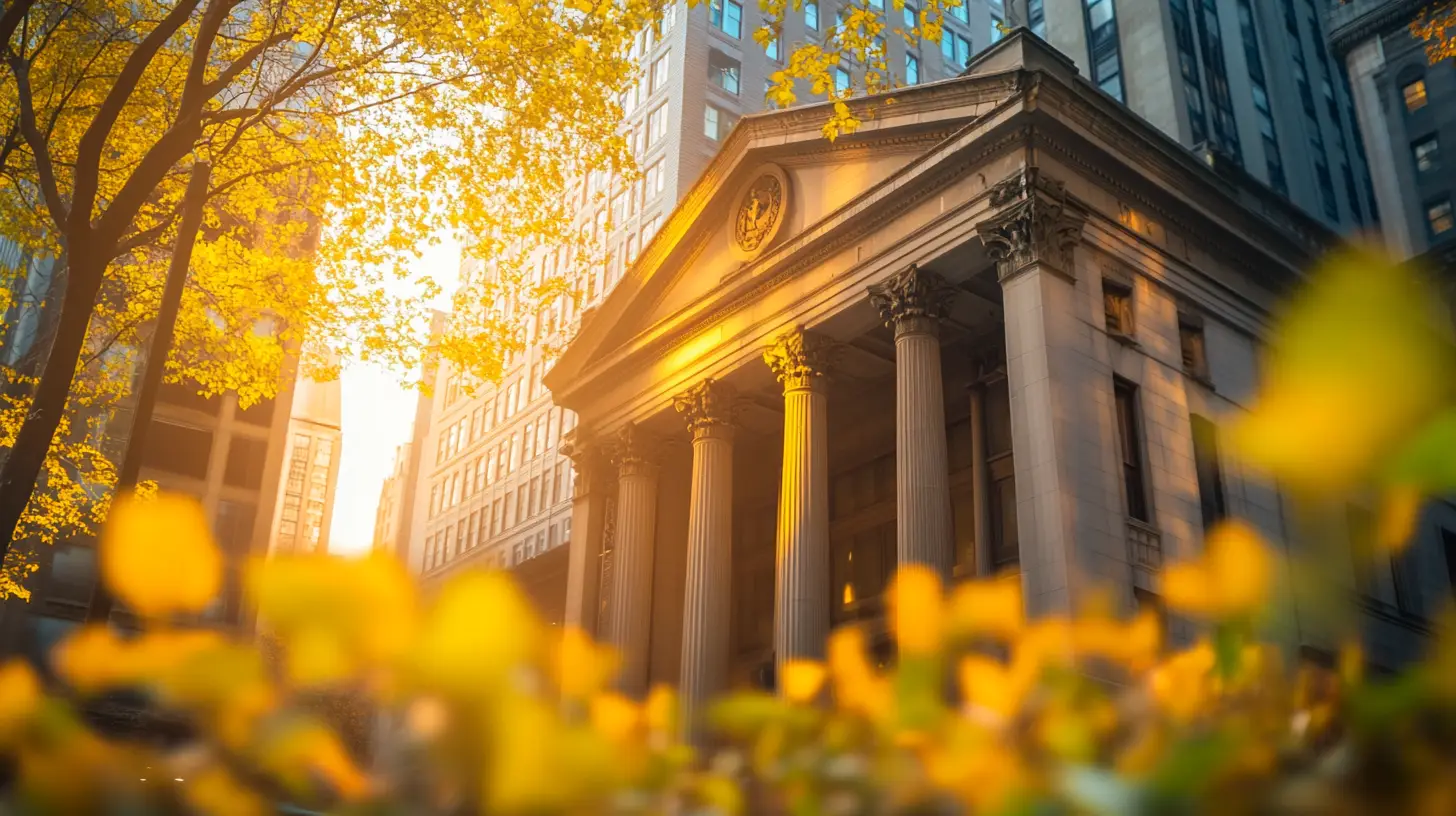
(995, 332)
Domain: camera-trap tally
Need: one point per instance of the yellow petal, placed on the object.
(987, 608)
(20, 694)
(1232, 579)
(481, 631)
(989, 686)
(916, 613)
(158, 556)
(583, 668)
(802, 680)
(1400, 509)
(661, 709)
(614, 716)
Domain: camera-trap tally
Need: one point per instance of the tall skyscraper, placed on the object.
(1251, 79)
(390, 535)
(1407, 112)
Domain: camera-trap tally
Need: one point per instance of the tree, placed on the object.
(342, 133)
(1436, 25)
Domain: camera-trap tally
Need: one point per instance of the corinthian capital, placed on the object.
(589, 459)
(800, 359)
(1040, 225)
(635, 450)
(914, 299)
(709, 407)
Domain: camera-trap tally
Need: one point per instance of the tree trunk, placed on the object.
(22, 467)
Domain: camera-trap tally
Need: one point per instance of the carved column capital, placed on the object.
(915, 300)
(800, 358)
(635, 451)
(591, 461)
(710, 408)
(1039, 225)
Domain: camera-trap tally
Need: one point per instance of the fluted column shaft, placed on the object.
(630, 607)
(709, 410)
(801, 608)
(980, 482)
(913, 302)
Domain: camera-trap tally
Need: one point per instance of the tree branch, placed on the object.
(93, 141)
(45, 171)
(10, 20)
(195, 83)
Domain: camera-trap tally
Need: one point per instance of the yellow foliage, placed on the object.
(20, 694)
(158, 556)
(1232, 578)
(802, 680)
(916, 610)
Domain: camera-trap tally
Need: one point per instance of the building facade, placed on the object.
(1407, 112)
(493, 488)
(311, 470)
(1250, 79)
(995, 332)
(390, 533)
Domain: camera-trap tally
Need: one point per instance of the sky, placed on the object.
(377, 412)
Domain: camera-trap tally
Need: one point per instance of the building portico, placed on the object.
(838, 358)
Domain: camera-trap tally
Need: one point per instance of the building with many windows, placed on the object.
(1407, 112)
(995, 332)
(310, 470)
(1250, 79)
(493, 489)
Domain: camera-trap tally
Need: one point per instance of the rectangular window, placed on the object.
(841, 80)
(533, 503)
(1036, 17)
(959, 11)
(1427, 153)
(177, 449)
(911, 17)
(712, 121)
(656, 125)
(659, 73)
(726, 16)
(245, 462)
(811, 15)
(653, 180)
(772, 49)
(1414, 94)
(1439, 217)
(1210, 477)
(1101, 20)
(724, 71)
(520, 505)
(912, 69)
(1129, 436)
(1191, 344)
(1117, 306)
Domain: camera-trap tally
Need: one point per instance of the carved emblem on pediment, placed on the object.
(1038, 224)
(760, 211)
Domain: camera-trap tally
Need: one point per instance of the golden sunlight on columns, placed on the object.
(708, 408)
(592, 487)
(913, 303)
(629, 609)
(801, 600)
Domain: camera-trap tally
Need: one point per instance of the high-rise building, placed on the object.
(1250, 79)
(311, 469)
(391, 535)
(1407, 113)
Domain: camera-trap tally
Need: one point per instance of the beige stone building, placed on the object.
(310, 470)
(997, 329)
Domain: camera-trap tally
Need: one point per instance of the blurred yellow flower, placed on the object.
(991, 688)
(20, 695)
(1354, 367)
(216, 792)
(915, 610)
(990, 608)
(303, 753)
(582, 667)
(480, 631)
(857, 687)
(1400, 508)
(335, 616)
(1183, 684)
(615, 716)
(802, 680)
(158, 556)
(1231, 579)
(524, 774)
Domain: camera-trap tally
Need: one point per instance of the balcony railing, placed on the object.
(1145, 545)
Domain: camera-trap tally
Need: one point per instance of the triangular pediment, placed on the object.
(697, 252)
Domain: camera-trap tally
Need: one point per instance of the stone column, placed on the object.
(980, 481)
(592, 488)
(629, 609)
(708, 408)
(1059, 456)
(800, 360)
(913, 303)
